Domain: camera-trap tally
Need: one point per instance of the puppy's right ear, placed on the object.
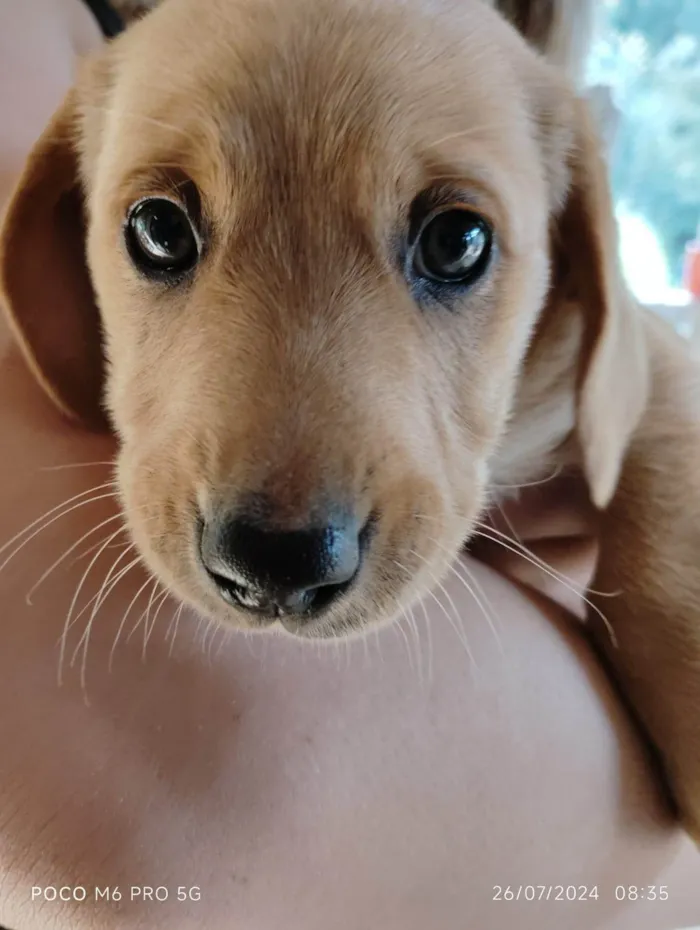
(45, 284)
(561, 30)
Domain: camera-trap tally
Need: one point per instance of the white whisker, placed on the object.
(148, 629)
(538, 563)
(96, 599)
(414, 628)
(52, 568)
(429, 636)
(476, 591)
(530, 484)
(416, 638)
(144, 616)
(458, 625)
(509, 523)
(122, 623)
(208, 627)
(174, 625)
(49, 513)
(67, 623)
(225, 638)
(210, 653)
(365, 645)
(545, 566)
(75, 465)
(398, 628)
(379, 645)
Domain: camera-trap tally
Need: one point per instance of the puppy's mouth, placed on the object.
(293, 609)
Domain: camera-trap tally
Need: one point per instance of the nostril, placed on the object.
(240, 595)
(322, 597)
(280, 603)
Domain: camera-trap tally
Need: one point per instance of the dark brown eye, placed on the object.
(453, 247)
(161, 238)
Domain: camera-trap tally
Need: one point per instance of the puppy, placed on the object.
(334, 270)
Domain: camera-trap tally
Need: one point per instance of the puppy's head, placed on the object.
(318, 235)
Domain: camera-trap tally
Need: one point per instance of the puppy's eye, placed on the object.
(453, 247)
(161, 238)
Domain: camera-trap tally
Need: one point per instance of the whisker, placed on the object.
(90, 549)
(574, 586)
(75, 465)
(122, 623)
(95, 599)
(534, 560)
(67, 624)
(414, 628)
(71, 621)
(475, 589)
(210, 655)
(213, 627)
(162, 595)
(365, 646)
(429, 637)
(148, 630)
(378, 641)
(410, 616)
(457, 626)
(120, 545)
(226, 637)
(529, 484)
(459, 631)
(49, 513)
(146, 613)
(174, 623)
(398, 627)
(508, 522)
(198, 629)
(578, 588)
(62, 558)
(89, 627)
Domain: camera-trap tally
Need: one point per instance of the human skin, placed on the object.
(379, 783)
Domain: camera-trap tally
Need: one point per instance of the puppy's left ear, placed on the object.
(45, 284)
(614, 380)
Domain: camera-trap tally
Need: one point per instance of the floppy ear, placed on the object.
(613, 386)
(44, 280)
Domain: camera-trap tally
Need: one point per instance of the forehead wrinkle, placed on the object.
(187, 142)
(487, 188)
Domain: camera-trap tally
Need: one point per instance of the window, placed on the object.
(645, 76)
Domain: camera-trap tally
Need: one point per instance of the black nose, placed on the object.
(277, 573)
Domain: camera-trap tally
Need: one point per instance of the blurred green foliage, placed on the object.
(649, 53)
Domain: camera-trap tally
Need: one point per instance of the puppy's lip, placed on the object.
(268, 610)
(301, 628)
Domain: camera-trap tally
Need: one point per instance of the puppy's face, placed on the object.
(318, 237)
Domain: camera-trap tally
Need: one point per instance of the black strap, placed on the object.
(110, 22)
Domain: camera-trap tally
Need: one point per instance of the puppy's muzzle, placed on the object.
(282, 574)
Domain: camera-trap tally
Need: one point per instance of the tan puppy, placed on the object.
(355, 265)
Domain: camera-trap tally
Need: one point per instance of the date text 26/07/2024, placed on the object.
(577, 893)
